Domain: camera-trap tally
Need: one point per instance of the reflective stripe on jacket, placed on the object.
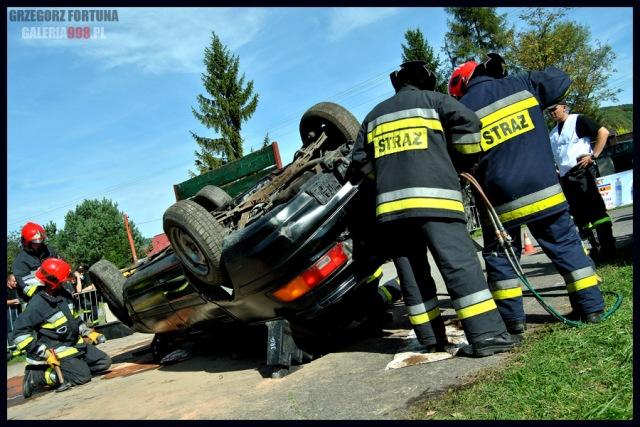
(516, 168)
(31, 285)
(402, 144)
(49, 322)
(25, 264)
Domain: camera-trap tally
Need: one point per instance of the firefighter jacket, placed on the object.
(515, 164)
(403, 142)
(50, 321)
(25, 264)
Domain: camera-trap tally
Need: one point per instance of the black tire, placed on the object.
(197, 240)
(336, 121)
(110, 283)
(211, 197)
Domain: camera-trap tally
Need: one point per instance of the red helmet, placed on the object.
(460, 78)
(53, 272)
(33, 233)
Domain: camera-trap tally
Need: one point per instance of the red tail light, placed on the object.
(314, 275)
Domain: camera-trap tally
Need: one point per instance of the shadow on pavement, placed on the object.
(623, 218)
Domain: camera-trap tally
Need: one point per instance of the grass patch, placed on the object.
(476, 233)
(559, 372)
(16, 359)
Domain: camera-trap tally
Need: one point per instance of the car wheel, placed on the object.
(196, 237)
(110, 283)
(332, 119)
(211, 197)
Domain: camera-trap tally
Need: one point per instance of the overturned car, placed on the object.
(291, 253)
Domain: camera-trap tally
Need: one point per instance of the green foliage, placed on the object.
(558, 373)
(417, 48)
(95, 230)
(618, 118)
(230, 102)
(474, 32)
(553, 41)
(53, 237)
(13, 248)
(266, 141)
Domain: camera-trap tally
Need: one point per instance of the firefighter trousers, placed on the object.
(587, 207)
(557, 236)
(406, 242)
(76, 369)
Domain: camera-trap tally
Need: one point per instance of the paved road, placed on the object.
(351, 383)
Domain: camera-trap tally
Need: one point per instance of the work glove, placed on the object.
(96, 337)
(51, 357)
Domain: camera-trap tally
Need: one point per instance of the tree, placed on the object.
(95, 230)
(474, 32)
(53, 237)
(229, 103)
(266, 141)
(416, 49)
(552, 41)
(13, 248)
(618, 118)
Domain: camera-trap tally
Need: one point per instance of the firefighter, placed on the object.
(402, 145)
(51, 334)
(34, 251)
(515, 166)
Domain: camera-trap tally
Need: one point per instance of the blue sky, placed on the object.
(111, 118)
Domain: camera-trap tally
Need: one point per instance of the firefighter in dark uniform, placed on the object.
(402, 145)
(50, 333)
(34, 251)
(515, 167)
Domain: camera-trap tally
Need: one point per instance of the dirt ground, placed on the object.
(217, 385)
(349, 383)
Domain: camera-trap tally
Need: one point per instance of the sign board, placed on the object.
(616, 189)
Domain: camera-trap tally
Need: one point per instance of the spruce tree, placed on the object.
(417, 48)
(474, 32)
(227, 104)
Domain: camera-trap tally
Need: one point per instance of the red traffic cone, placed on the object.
(528, 246)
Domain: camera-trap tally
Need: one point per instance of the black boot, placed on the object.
(607, 242)
(498, 344)
(30, 382)
(516, 327)
(595, 317)
(577, 315)
(434, 348)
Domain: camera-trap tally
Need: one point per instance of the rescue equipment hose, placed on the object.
(504, 240)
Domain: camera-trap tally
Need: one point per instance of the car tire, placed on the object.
(211, 197)
(110, 284)
(336, 121)
(196, 238)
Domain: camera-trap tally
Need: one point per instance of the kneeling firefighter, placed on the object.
(52, 336)
(402, 144)
(516, 169)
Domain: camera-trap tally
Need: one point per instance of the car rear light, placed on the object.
(314, 275)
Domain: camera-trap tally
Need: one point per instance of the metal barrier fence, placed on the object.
(89, 304)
